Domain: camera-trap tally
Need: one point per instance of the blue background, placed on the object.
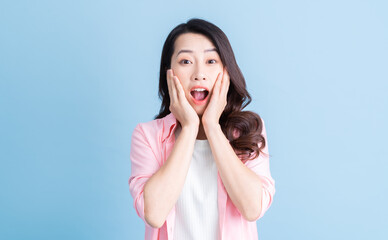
(78, 76)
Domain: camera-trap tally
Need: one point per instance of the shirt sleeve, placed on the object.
(143, 165)
(260, 166)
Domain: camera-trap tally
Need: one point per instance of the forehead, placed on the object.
(192, 41)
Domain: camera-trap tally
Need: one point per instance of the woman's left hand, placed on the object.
(218, 99)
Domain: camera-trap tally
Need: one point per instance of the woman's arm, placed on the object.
(250, 185)
(163, 189)
(244, 186)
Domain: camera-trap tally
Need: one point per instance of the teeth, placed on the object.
(199, 89)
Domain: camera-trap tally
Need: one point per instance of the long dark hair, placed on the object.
(243, 129)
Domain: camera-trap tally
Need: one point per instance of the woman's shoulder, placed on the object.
(159, 127)
(158, 123)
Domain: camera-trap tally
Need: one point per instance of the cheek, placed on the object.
(181, 75)
(182, 79)
(185, 88)
(213, 82)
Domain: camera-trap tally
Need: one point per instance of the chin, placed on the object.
(200, 109)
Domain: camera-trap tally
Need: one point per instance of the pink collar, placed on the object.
(169, 125)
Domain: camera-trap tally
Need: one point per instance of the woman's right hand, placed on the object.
(179, 105)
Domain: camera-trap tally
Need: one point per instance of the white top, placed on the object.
(196, 208)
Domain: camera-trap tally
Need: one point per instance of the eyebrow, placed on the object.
(190, 51)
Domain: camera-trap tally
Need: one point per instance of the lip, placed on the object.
(199, 102)
(199, 86)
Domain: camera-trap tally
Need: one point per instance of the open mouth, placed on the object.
(199, 95)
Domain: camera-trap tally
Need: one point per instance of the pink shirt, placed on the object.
(151, 145)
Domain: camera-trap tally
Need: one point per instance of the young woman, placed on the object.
(200, 169)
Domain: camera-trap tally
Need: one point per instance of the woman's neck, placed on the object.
(201, 132)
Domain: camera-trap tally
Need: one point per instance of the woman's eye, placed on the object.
(184, 60)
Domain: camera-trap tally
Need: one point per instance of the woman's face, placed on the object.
(196, 63)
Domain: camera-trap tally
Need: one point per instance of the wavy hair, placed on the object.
(243, 129)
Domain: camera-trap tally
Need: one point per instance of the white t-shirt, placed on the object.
(196, 208)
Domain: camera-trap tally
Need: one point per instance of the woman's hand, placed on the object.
(218, 99)
(179, 105)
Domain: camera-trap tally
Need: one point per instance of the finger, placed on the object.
(172, 88)
(225, 84)
(217, 84)
(168, 82)
(181, 92)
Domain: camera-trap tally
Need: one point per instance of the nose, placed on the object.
(200, 77)
(198, 74)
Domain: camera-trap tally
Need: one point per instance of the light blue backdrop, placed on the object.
(78, 76)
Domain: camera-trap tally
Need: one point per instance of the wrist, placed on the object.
(191, 127)
(210, 126)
